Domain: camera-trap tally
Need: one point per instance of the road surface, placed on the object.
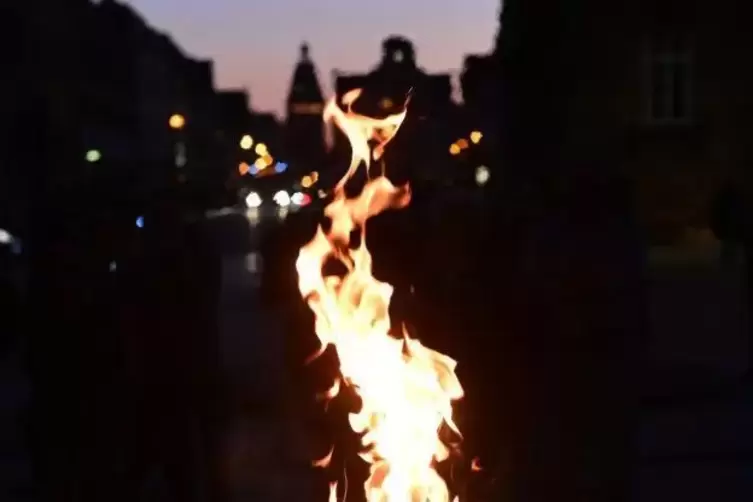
(694, 448)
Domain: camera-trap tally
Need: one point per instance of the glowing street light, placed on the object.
(253, 200)
(306, 181)
(476, 137)
(93, 156)
(261, 149)
(260, 164)
(454, 149)
(5, 236)
(482, 175)
(282, 198)
(177, 121)
(247, 142)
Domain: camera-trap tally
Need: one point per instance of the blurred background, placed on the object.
(580, 240)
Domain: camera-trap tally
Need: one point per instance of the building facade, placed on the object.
(661, 97)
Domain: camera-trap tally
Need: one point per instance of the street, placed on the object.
(694, 448)
(694, 439)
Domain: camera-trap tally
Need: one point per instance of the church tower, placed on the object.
(304, 132)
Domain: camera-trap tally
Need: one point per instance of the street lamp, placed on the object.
(261, 163)
(261, 150)
(482, 175)
(177, 121)
(93, 156)
(247, 142)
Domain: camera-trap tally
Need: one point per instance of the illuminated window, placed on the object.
(307, 108)
(386, 103)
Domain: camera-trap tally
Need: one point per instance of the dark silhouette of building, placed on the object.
(133, 79)
(86, 76)
(651, 84)
(237, 122)
(304, 128)
(478, 85)
(642, 99)
(421, 149)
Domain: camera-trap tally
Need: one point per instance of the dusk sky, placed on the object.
(255, 43)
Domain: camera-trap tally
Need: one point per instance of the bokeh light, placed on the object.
(247, 142)
(93, 156)
(482, 175)
(177, 121)
(253, 200)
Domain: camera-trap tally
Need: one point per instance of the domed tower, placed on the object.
(304, 132)
(399, 51)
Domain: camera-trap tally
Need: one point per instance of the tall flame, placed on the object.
(406, 389)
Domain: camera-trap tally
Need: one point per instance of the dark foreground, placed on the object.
(231, 416)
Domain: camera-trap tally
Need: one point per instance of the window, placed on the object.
(307, 108)
(669, 93)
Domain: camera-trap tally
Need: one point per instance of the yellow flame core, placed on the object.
(407, 389)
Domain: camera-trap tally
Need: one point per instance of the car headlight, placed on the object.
(253, 200)
(282, 198)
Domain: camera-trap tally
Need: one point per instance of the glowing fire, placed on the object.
(406, 389)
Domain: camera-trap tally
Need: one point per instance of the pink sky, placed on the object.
(255, 44)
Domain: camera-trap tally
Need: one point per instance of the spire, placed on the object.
(304, 90)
